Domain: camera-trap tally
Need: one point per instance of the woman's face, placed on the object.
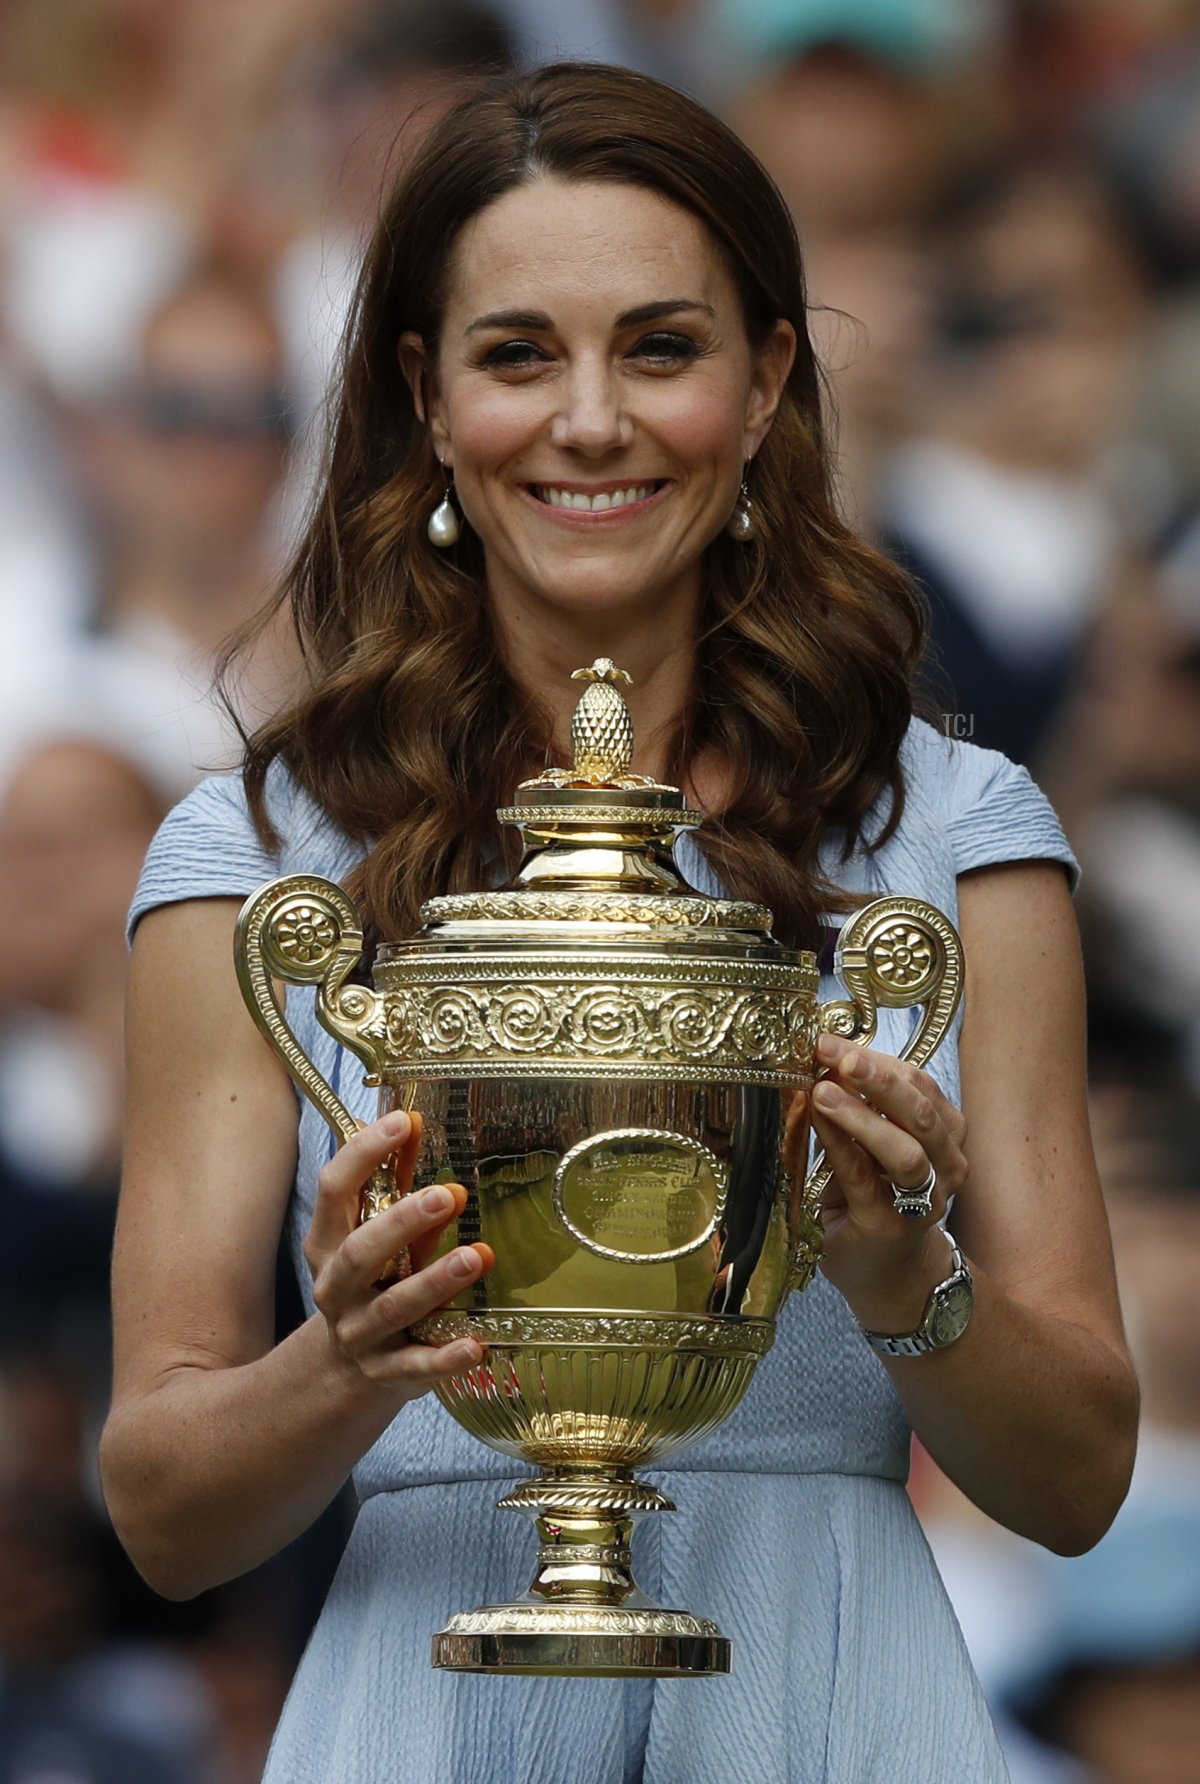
(596, 398)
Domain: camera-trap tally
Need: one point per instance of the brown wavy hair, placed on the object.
(410, 728)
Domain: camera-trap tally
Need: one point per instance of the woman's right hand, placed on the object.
(367, 1319)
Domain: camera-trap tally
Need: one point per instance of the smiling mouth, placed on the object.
(601, 502)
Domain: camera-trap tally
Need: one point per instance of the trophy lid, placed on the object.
(598, 839)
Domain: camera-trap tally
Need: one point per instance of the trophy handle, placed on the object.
(895, 952)
(304, 930)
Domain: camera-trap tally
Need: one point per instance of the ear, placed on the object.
(421, 377)
(772, 365)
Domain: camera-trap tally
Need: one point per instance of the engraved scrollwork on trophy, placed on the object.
(676, 912)
(604, 1019)
(802, 1030)
(523, 1018)
(556, 1492)
(578, 1554)
(511, 1619)
(355, 1015)
(452, 1023)
(759, 1031)
(630, 818)
(846, 1020)
(401, 1025)
(810, 1248)
(668, 1332)
(895, 953)
(692, 1022)
(564, 1025)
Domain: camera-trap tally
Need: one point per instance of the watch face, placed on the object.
(951, 1314)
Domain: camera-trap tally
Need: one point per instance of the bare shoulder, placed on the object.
(1032, 1212)
(210, 1154)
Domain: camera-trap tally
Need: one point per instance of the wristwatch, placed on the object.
(947, 1314)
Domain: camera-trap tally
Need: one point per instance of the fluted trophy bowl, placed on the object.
(602, 1057)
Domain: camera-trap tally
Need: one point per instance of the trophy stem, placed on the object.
(584, 1614)
(585, 1528)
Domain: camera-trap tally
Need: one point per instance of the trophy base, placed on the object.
(582, 1641)
(584, 1616)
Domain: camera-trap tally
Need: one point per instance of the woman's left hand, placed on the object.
(882, 1124)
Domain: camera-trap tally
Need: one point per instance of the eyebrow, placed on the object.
(536, 321)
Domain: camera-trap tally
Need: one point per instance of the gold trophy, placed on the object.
(600, 1055)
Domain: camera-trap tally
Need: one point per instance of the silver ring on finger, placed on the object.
(915, 1204)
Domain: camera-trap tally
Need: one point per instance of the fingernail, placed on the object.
(437, 1199)
(857, 1066)
(829, 1046)
(468, 1351)
(827, 1096)
(463, 1263)
(398, 1123)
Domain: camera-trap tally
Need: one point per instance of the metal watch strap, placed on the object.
(920, 1342)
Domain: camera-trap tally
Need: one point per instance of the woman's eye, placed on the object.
(663, 347)
(513, 355)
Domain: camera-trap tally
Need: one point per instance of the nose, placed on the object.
(591, 417)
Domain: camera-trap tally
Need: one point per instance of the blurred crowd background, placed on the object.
(1000, 206)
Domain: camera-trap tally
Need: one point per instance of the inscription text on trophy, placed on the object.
(642, 1195)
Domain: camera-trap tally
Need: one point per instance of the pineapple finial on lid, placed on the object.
(602, 730)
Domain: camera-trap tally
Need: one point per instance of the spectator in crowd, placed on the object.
(354, 112)
(1098, 1658)
(133, 138)
(1126, 773)
(75, 821)
(1113, 1678)
(1017, 501)
(182, 467)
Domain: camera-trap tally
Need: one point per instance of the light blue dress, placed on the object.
(794, 1530)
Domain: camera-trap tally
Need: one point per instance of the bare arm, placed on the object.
(1033, 1411)
(220, 1446)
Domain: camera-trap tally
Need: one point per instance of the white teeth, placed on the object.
(597, 504)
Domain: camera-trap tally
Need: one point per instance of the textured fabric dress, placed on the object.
(793, 1529)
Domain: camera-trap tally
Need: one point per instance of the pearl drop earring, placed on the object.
(740, 525)
(443, 526)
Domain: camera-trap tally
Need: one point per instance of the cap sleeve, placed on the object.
(1000, 814)
(207, 847)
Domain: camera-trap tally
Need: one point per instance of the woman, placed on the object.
(580, 348)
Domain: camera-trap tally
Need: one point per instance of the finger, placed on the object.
(340, 1183)
(895, 1090)
(437, 1238)
(369, 1324)
(421, 1365)
(890, 1087)
(406, 1152)
(359, 1261)
(898, 1155)
(855, 1185)
(953, 1119)
(836, 1054)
